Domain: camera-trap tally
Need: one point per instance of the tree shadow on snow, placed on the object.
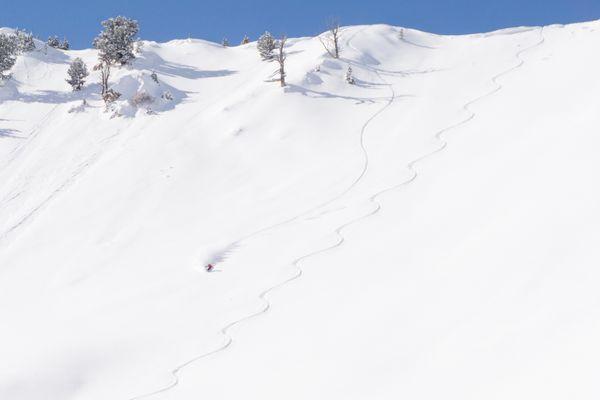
(154, 62)
(188, 72)
(10, 133)
(291, 88)
(366, 84)
(90, 92)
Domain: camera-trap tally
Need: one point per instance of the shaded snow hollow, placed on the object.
(429, 232)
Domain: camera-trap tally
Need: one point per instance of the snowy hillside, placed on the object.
(430, 232)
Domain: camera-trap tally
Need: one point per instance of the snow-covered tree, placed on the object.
(331, 41)
(266, 44)
(8, 51)
(245, 40)
(24, 41)
(115, 42)
(349, 76)
(138, 47)
(53, 41)
(77, 73)
(64, 45)
(154, 77)
(115, 45)
(225, 42)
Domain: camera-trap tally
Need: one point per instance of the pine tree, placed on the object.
(225, 42)
(77, 73)
(8, 51)
(349, 77)
(64, 45)
(115, 42)
(53, 41)
(245, 40)
(266, 44)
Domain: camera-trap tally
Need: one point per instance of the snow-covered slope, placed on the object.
(430, 232)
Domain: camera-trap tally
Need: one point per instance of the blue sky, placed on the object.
(163, 20)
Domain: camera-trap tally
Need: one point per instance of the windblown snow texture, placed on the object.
(428, 232)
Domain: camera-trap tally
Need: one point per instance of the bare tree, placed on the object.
(331, 42)
(108, 95)
(281, 57)
(104, 68)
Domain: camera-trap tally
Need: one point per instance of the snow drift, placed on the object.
(430, 231)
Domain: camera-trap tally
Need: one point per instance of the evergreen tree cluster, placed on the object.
(117, 45)
(11, 45)
(8, 54)
(55, 43)
(24, 41)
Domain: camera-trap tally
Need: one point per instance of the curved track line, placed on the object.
(378, 72)
(362, 173)
(298, 274)
(443, 144)
(438, 136)
(338, 231)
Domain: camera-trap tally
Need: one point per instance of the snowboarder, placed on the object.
(209, 267)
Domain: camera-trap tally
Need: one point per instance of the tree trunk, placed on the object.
(281, 60)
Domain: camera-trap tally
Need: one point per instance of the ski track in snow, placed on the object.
(439, 136)
(14, 153)
(298, 274)
(60, 188)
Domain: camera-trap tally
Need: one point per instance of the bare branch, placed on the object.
(326, 47)
(332, 41)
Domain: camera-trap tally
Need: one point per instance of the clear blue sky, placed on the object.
(163, 20)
